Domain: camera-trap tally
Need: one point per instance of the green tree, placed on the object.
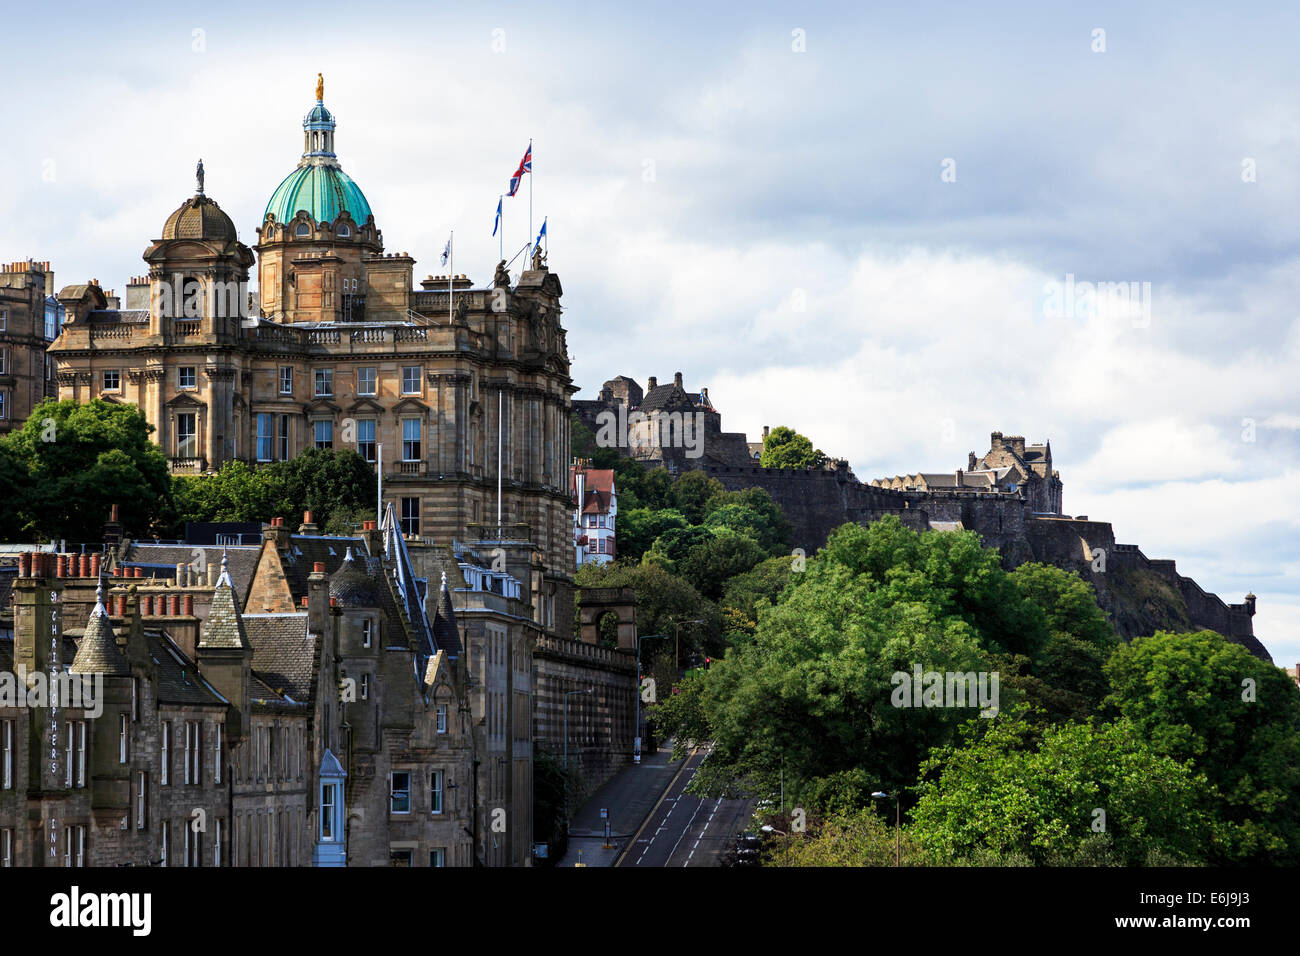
(786, 448)
(751, 511)
(15, 487)
(79, 460)
(711, 563)
(1201, 698)
(1013, 788)
(671, 547)
(758, 587)
(662, 598)
(639, 527)
(691, 493)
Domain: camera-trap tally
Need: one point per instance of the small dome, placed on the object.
(199, 218)
(353, 586)
(319, 114)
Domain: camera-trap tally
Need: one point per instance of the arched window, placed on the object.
(344, 231)
(302, 229)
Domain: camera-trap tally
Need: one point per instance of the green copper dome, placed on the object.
(318, 185)
(323, 191)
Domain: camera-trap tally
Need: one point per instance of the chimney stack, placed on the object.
(677, 379)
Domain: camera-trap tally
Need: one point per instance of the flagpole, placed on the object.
(500, 405)
(531, 161)
(501, 226)
(451, 274)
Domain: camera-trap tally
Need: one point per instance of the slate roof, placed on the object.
(179, 680)
(242, 560)
(98, 652)
(666, 396)
(284, 653)
(353, 586)
(7, 578)
(446, 634)
(224, 627)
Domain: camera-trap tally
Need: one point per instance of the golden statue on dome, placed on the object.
(320, 88)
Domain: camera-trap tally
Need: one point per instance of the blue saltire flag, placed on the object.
(497, 222)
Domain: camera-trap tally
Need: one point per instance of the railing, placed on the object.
(411, 335)
(324, 337)
(369, 335)
(113, 331)
(410, 467)
(182, 329)
(189, 465)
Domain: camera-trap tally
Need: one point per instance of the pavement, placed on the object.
(653, 822)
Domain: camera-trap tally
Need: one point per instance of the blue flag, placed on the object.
(497, 222)
(446, 252)
(541, 235)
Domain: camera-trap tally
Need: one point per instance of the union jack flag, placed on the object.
(525, 166)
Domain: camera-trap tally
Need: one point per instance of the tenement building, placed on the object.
(339, 350)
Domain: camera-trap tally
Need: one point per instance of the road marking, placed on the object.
(655, 809)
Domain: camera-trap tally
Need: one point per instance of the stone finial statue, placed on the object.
(539, 258)
(198, 174)
(502, 278)
(320, 87)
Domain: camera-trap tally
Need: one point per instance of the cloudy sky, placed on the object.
(845, 221)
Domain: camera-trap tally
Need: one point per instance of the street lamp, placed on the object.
(567, 695)
(768, 828)
(636, 728)
(898, 823)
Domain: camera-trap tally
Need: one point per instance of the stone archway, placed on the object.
(596, 603)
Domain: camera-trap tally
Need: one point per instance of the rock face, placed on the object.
(1141, 594)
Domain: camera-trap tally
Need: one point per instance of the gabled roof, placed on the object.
(179, 680)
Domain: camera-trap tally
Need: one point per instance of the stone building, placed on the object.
(664, 426)
(30, 318)
(340, 351)
(595, 513)
(1010, 468)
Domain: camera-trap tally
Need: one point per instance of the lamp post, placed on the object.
(567, 695)
(898, 823)
(768, 828)
(636, 727)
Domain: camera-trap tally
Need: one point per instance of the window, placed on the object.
(410, 516)
(141, 789)
(6, 845)
(366, 438)
(187, 439)
(166, 834)
(399, 791)
(366, 380)
(286, 379)
(399, 857)
(164, 770)
(324, 382)
(123, 736)
(193, 763)
(216, 845)
(186, 377)
(411, 380)
(3, 406)
(365, 686)
(74, 846)
(4, 361)
(302, 229)
(343, 233)
(442, 718)
(193, 846)
(284, 437)
(4, 320)
(6, 754)
(112, 380)
(435, 792)
(324, 434)
(327, 811)
(367, 632)
(75, 751)
(216, 754)
(438, 857)
(265, 436)
(410, 439)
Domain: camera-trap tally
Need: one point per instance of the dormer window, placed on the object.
(302, 230)
(344, 232)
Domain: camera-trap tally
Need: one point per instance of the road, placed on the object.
(685, 830)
